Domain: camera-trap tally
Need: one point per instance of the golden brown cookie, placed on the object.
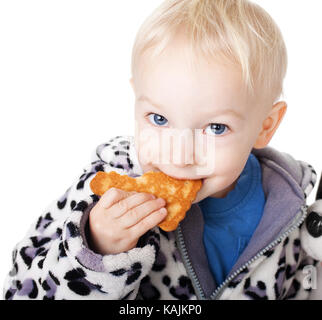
(178, 194)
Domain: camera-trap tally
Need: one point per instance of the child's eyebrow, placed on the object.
(210, 114)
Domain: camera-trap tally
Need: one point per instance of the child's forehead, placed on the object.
(172, 81)
(166, 83)
(175, 68)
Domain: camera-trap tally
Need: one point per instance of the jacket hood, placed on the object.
(286, 184)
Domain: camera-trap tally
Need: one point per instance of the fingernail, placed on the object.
(163, 210)
(161, 200)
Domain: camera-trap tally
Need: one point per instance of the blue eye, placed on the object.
(218, 128)
(158, 120)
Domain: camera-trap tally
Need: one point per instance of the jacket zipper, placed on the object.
(186, 261)
(216, 294)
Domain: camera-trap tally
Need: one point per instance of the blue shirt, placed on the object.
(231, 221)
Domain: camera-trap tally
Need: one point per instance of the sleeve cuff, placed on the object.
(84, 225)
(111, 273)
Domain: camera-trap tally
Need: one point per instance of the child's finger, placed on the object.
(136, 214)
(112, 196)
(129, 203)
(148, 223)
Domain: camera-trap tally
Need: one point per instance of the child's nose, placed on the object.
(183, 159)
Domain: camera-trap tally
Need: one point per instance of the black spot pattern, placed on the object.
(79, 287)
(61, 204)
(34, 292)
(54, 278)
(294, 288)
(296, 249)
(74, 274)
(279, 271)
(296, 256)
(282, 260)
(8, 295)
(41, 263)
(38, 222)
(80, 184)
(286, 241)
(76, 282)
(18, 284)
(73, 229)
(121, 153)
(152, 238)
(81, 206)
(99, 167)
(118, 272)
(160, 262)
(289, 273)
(95, 197)
(134, 273)
(26, 259)
(268, 253)
(184, 290)
(62, 252)
(72, 204)
(257, 292)
(45, 285)
(66, 247)
(147, 290)
(261, 285)
(247, 284)
(39, 241)
(234, 283)
(166, 280)
(129, 162)
(14, 270)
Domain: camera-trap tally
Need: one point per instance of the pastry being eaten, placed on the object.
(178, 194)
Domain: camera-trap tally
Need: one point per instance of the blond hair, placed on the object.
(238, 30)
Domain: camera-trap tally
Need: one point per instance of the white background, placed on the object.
(64, 89)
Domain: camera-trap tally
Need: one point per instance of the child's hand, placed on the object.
(119, 219)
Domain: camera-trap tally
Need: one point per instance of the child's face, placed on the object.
(170, 96)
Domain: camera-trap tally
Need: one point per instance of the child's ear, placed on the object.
(270, 124)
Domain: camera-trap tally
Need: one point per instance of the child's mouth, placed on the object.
(185, 178)
(180, 178)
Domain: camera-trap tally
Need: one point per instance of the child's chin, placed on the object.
(200, 196)
(198, 199)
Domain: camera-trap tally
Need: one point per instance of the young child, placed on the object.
(214, 65)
